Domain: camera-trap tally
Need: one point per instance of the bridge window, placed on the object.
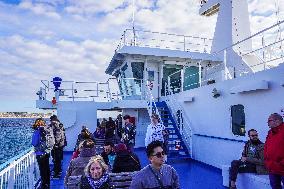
(191, 78)
(238, 120)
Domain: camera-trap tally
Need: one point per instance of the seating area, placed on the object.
(246, 180)
(118, 180)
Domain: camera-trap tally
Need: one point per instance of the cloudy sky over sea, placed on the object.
(75, 39)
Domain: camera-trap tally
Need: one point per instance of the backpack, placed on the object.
(59, 134)
(46, 140)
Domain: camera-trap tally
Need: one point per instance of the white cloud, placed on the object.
(40, 9)
(76, 39)
(25, 62)
(91, 7)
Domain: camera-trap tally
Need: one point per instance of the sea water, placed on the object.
(15, 136)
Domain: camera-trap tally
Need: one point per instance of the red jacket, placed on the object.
(274, 150)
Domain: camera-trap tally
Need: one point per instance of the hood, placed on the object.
(88, 152)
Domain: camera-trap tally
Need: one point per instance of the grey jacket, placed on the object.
(145, 179)
(77, 165)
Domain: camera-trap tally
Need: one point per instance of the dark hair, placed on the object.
(53, 118)
(126, 117)
(88, 143)
(150, 148)
(108, 143)
(251, 131)
(277, 116)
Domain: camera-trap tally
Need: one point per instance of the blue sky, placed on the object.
(75, 39)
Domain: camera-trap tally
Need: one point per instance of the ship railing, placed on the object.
(20, 172)
(267, 52)
(162, 40)
(181, 118)
(79, 90)
(131, 88)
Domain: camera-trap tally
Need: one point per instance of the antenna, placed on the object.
(133, 22)
(277, 13)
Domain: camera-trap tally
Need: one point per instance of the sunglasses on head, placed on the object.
(159, 154)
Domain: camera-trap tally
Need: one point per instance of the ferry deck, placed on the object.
(192, 174)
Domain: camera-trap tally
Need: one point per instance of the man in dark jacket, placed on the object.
(60, 142)
(108, 152)
(252, 160)
(110, 127)
(125, 161)
(274, 151)
(128, 133)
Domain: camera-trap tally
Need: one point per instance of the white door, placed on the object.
(152, 76)
(141, 128)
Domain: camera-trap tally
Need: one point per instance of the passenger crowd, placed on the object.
(93, 167)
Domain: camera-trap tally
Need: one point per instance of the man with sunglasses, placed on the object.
(274, 151)
(157, 174)
(252, 160)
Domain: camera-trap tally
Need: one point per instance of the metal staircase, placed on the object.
(176, 145)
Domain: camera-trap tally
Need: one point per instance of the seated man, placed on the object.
(125, 161)
(108, 154)
(157, 174)
(252, 160)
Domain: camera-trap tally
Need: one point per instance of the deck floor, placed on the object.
(192, 174)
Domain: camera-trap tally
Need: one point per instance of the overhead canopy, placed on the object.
(118, 57)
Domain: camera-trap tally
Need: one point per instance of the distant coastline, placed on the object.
(24, 115)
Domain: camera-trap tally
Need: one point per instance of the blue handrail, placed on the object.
(4, 165)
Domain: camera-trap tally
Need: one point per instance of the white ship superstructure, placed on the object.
(212, 90)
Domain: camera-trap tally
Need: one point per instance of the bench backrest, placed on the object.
(119, 180)
(74, 182)
(122, 180)
(101, 141)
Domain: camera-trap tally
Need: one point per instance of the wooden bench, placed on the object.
(101, 141)
(119, 180)
(74, 182)
(246, 180)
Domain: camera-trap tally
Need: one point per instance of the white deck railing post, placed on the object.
(11, 179)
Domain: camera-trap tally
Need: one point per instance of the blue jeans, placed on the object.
(275, 181)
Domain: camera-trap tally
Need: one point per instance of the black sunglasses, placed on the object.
(159, 154)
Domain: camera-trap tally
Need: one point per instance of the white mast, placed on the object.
(133, 22)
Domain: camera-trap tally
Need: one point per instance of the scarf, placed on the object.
(96, 184)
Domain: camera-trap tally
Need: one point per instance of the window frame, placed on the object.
(240, 133)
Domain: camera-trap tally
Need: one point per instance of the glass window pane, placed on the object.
(151, 75)
(238, 120)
